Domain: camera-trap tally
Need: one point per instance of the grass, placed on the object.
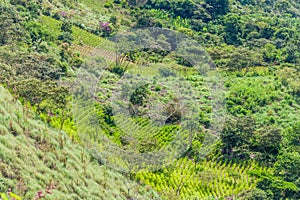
(96, 5)
(35, 157)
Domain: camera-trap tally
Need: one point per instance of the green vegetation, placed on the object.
(64, 83)
(38, 160)
(188, 179)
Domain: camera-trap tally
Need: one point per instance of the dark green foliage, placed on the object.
(11, 30)
(268, 141)
(36, 65)
(292, 138)
(276, 187)
(204, 119)
(184, 8)
(270, 53)
(138, 97)
(31, 6)
(232, 24)
(108, 115)
(118, 69)
(255, 194)
(182, 61)
(217, 7)
(66, 26)
(145, 19)
(36, 91)
(66, 35)
(147, 55)
(236, 137)
(292, 52)
(288, 167)
(165, 72)
(240, 59)
(39, 32)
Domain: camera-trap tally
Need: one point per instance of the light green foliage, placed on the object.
(52, 24)
(186, 179)
(270, 100)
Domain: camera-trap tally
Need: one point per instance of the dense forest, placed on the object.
(150, 99)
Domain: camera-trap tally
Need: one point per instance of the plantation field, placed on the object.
(203, 180)
(83, 49)
(80, 36)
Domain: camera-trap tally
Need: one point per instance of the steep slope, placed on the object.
(36, 160)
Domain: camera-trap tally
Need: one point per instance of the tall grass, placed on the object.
(32, 160)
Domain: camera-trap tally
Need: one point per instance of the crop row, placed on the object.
(185, 178)
(80, 36)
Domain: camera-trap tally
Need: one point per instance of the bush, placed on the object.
(66, 37)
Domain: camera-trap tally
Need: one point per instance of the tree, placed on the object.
(136, 3)
(236, 136)
(292, 138)
(66, 26)
(270, 53)
(137, 99)
(184, 8)
(217, 7)
(139, 95)
(233, 30)
(173, 112)
(241, 58)
(288, 166)
(10, 27)
(36, 91)
(292, 52)
(268, 141)
(285, 183)
(66, 35)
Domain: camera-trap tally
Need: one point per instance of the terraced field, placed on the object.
(80, 36)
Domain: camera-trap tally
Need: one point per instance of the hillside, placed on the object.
(38, 160)
(150, 99)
